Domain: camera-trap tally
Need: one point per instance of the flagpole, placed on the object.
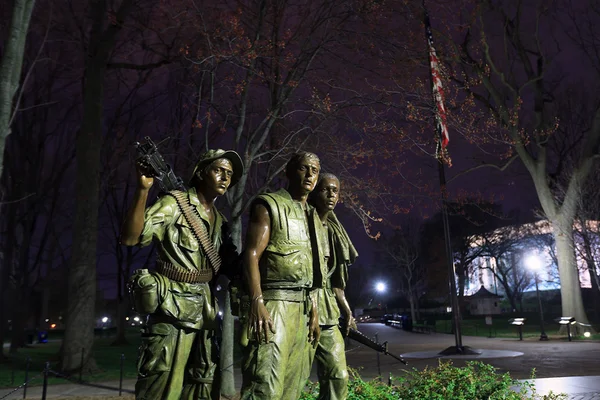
(442, 141)
(458, 347)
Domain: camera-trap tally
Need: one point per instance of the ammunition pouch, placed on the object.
(174, 302)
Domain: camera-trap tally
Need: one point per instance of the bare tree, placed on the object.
(505, 63)
(10, 68)
(38, 159)
(402, 257)
(504, 252)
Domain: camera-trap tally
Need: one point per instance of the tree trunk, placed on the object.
(11, 65)
(413, 311)
(79, 332)
(19, 322)
(591, 268)
(227, 345)
(122, 303)
(461, 289)
(570, 289)
(228, 334)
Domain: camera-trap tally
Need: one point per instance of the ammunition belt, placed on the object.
(192, 216)
(179, 274)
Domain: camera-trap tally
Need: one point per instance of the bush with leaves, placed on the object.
(475, 381)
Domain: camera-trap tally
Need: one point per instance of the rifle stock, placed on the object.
(379, 347)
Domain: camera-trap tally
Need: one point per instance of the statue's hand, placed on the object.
(314, 330)
(145, 180)
(351, 324)
(259, 321)
(349, 321)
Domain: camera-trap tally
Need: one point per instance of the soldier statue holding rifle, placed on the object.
(177, 359)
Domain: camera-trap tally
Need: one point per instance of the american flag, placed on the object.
(438, 90)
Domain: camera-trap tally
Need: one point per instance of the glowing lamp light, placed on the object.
(533, 262)
(136, 318)
(587, 334)
(104, 319)
(52, 326)
(380, 287)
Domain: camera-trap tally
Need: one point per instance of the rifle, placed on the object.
(154, 164)
(380, 347)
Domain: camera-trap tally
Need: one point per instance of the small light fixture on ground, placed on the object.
(518, 322)
(568, 321)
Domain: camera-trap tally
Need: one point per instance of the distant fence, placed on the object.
(47, 372)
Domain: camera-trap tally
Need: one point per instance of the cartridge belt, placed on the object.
(179, 274)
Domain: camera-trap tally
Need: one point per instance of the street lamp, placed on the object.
(534, 264)
(380, 288)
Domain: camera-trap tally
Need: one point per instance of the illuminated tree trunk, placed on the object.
(570, 288)
(11, 65)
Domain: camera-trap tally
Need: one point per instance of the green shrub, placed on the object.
(475, 381)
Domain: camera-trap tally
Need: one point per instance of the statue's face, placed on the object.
(326, 195)
(216, 178)
(305, 174)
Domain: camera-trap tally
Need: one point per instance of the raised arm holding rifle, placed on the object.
(177, 357)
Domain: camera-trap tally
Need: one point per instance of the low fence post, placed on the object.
(121, 375)
(45, 386)
(26, 377)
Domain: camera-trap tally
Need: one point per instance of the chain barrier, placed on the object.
(90, 384)
(21, 386)
(47, 371)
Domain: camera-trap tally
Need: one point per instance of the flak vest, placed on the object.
(292, 259)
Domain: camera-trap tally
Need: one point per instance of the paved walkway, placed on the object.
(561, 366)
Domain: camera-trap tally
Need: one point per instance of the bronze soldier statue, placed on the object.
(339, 254)
(177, 359)
(280, 260)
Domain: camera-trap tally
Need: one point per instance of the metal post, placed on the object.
(45, 386)
(520, 332)
(378, 360)
(458, 348)
(569, 331)
(26, 377)
(121, 375)
(543, 335)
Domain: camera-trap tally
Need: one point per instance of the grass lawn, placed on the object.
(107, 357)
